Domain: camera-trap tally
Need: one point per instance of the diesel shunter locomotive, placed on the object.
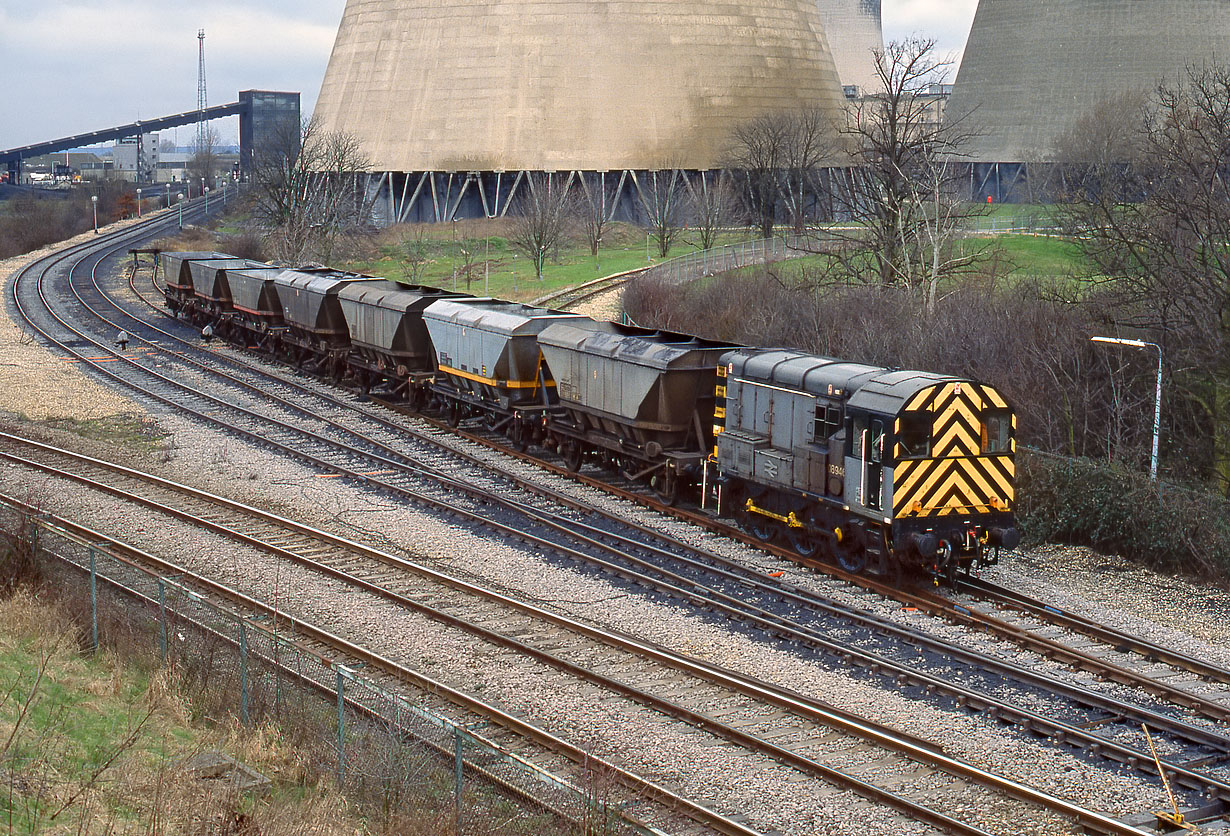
(879, 470)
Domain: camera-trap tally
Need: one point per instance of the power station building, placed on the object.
(458, 103)
(1032, 69)
(855, 34)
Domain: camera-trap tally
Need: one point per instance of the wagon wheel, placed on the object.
(518, 435)
(452, 413)
(666, 486)
(417, 398)
(573, 456)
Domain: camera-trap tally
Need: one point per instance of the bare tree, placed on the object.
(590, 207)
(1154, 225)
(664, 198)
(204, 163)
(310, 191)
(712, 201)
(540, 220)
(778, 158)
(757, 156)
(415, 251)
(904, 189)
(811, 143)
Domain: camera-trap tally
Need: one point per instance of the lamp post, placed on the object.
(1157, 401)
(138, 204)
(166, 190)
(598, 254)
(180, 201)
(94, 200)
(205, 190)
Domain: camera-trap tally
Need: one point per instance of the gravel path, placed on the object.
(1139, 601)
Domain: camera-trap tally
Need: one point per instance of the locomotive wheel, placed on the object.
(802, 542)
(852, 557)
(760, 527)
(452, 414)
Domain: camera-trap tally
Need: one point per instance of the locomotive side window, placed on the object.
(915, 439)
(828, 421)
(997, 432)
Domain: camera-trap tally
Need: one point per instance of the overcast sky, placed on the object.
(70, 66)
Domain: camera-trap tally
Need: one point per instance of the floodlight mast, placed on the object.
(1157, 398)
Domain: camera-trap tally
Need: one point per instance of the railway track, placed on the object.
(502, 731)
(688, 589)
(569, 297)
(804, 734)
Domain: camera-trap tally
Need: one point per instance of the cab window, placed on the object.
(915, 438)
(997, 432)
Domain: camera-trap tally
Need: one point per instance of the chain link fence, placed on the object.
(391, 750)
(732, 257)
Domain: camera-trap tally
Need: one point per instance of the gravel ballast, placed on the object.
(1137, 601)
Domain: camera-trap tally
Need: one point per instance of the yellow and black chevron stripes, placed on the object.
(719, 406)
(936, 487)
(957, 478)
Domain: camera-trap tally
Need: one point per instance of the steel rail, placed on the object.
(973, 699)
(587, 290)
(1119, 640)
(125, 553)
(1098, 739)
(811, 710)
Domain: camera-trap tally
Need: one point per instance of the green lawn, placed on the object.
(497, 269)
(1016, 256)
(1036, 255)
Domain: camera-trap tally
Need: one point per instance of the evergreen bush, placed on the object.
(1116, 510)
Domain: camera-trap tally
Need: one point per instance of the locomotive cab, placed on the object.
(937, 471)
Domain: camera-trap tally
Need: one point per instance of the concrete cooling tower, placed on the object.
(854, 33)
(1031, 69)
(564, 85)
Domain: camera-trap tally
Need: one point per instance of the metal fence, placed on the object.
(386, 747)
(731, 257)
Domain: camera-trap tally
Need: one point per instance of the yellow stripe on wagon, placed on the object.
(492, 381)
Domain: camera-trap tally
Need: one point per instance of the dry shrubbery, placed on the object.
(90, 748)
(1033, 349)
(28, 223)
(99, 741)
